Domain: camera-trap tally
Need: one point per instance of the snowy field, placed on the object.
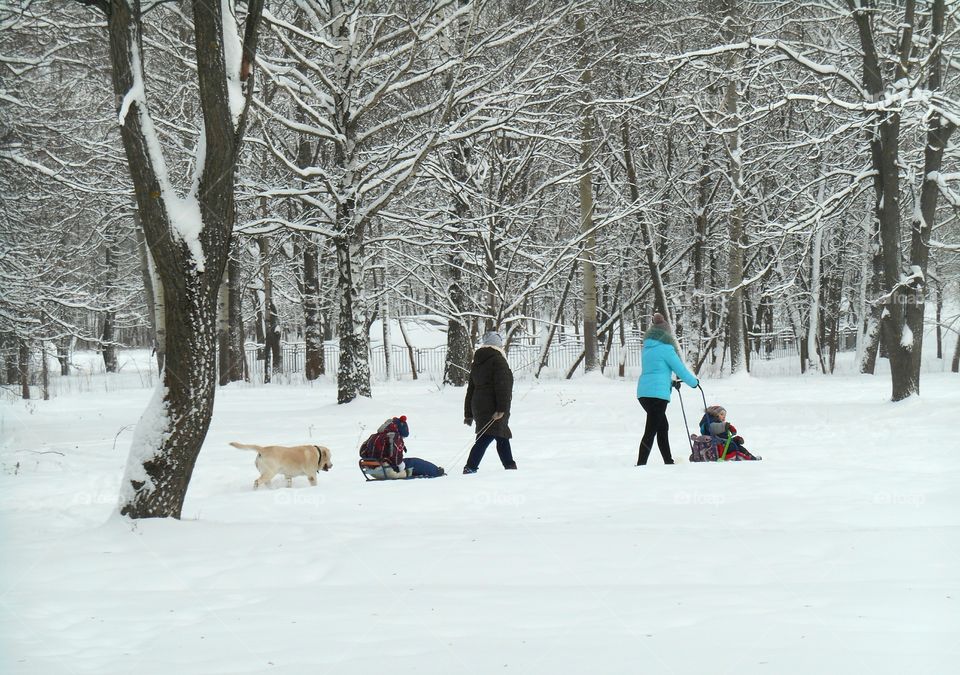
(836, 554)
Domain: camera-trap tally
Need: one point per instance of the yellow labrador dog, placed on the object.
(297, 460)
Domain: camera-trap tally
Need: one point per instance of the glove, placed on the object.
(497, 415)
(738, 439)
(468, 421)
(675, 384)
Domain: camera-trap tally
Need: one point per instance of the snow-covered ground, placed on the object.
(836, 554)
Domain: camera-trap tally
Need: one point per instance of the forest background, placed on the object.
(247, 189)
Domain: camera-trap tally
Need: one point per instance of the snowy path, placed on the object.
(838, 553)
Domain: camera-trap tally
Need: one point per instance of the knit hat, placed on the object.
(396, 424)
(661, 331)
(492, 339)
(716, 410)
(401, 424)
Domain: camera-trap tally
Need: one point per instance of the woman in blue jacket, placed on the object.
(660, 361)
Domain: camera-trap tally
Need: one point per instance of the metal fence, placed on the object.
(784, 344)
(429, 361)
(523, 357)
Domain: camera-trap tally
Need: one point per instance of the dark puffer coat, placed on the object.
(490, 390)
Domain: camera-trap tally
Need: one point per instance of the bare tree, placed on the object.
(188, 236)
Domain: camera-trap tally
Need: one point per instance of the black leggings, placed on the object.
(657, 425)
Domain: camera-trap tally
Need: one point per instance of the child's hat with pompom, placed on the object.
(401, 423)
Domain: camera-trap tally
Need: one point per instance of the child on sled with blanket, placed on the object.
(729, 446)
(382, 454)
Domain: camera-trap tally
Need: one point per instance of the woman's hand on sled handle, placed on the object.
(498, 415)
(675, 384)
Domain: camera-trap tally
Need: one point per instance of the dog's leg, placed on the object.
(312, 479)
(289, 481)
(264, 479)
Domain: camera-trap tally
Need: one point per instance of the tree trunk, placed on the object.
(653, 263)
(275, 338)
(353, 374)
(223, 330)
(871, 311)
(939, 318)
(259, 325)
(271, 338)
(189, 241)
(938, 135)
(697, 321)
(491, 321)
(735, 262)
(385, 331)
(108, 338)
(235, 340)
(902, 324)
(153, 290)
(11, 359)
(622, 363)
(456, 369)
(44, 372)
(168, 438)
(834, 295)
(731, 139)
(63, 356)
(23, 364)
(955, 364)
(586, 202)
(410, 351)
(314, 362)
(813, 321)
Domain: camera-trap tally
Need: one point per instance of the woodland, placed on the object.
(213, 177)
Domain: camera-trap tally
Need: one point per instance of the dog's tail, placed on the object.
(246, 446)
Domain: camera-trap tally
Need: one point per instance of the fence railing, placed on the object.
(522, 357)
(429, 361)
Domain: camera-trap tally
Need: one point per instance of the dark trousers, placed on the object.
(657, 425)
(421, 468)
(480, 447)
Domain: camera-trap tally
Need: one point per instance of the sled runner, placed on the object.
(375, 470)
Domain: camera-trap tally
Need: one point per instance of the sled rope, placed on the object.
(469, 445)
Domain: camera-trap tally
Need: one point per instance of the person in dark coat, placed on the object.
(660, 362)
(487, 402)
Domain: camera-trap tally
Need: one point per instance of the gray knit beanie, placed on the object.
(492, 339)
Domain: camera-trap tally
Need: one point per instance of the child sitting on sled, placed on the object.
(729, 445)
(382, 454)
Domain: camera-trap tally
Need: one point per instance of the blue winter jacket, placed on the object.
(660, 360)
